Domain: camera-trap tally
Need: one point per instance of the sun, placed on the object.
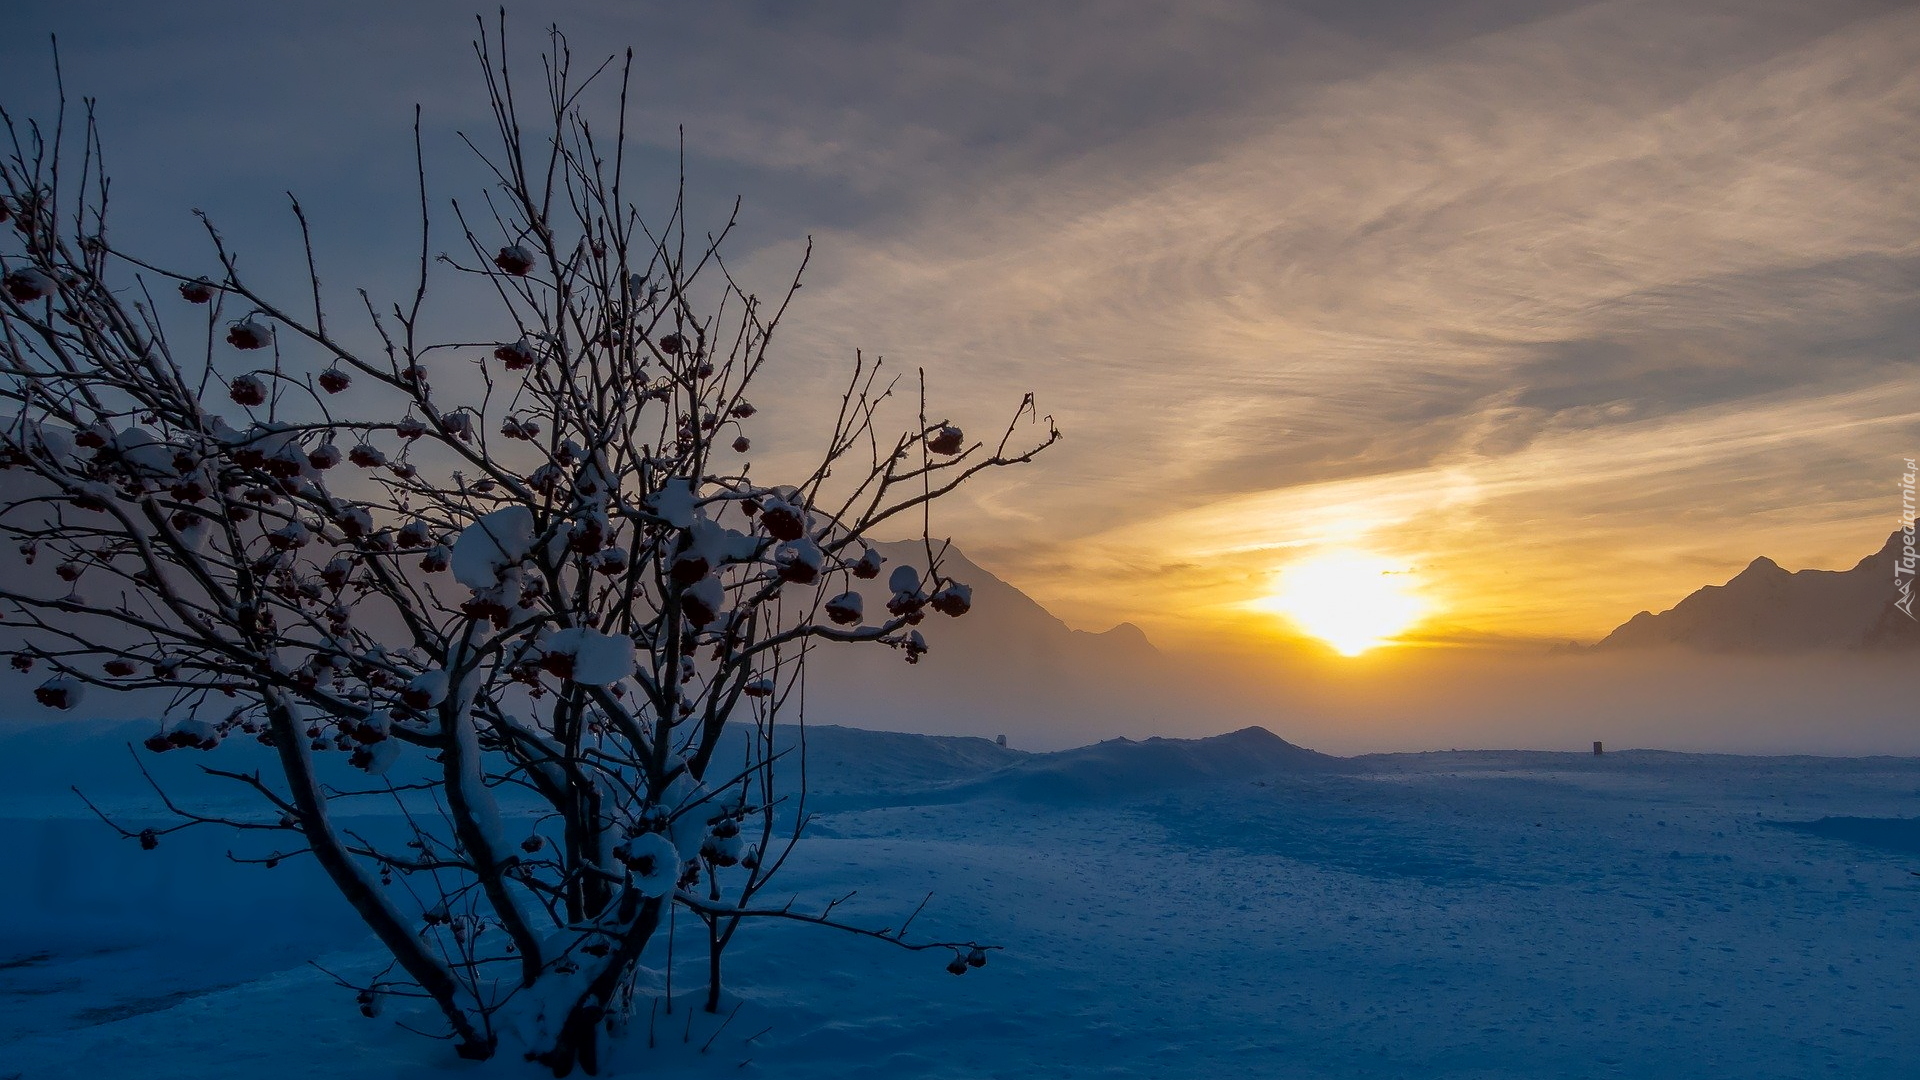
(1352, 600)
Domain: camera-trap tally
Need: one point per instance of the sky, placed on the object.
(1556, 310)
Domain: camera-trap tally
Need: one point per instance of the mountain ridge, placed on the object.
(1766, 608)
(1008, 667)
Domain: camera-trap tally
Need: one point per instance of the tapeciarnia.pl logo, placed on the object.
(1903, 567)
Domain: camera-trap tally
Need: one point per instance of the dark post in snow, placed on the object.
(530, 559)
(1596, 748)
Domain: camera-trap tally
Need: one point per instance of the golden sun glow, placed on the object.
(1352, 600)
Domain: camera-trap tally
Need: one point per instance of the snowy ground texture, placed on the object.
(1228, 908)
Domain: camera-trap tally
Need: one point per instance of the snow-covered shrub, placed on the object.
(579, 607)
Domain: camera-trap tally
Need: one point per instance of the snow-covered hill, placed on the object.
(1123, 769)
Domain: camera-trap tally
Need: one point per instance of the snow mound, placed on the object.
(1115, 770)
(1122, 768)
(1898, 835)
(853, 767)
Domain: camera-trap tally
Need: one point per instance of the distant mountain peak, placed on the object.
(1124, 637)
(1009, 666)
(1766, 608)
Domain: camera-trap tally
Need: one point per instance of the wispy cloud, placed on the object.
(1572, 305)
(1669, 253)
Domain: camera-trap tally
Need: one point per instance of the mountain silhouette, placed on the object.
(1009, 666)
(1768, 609)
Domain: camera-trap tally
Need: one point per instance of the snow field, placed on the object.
(1439, 915)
